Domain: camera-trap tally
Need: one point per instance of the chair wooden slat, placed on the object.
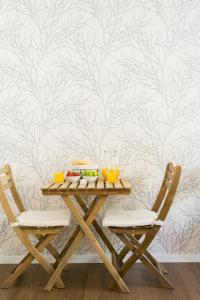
(4, 170)
(168, 175)
(5, 178)
(170, 193)
(170, 167)
(7, 185)
(167, 183)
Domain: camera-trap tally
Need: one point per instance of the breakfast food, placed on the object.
(80, 162)
(89, 173)
(72, 173)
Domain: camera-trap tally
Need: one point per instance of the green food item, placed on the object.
(90, 173)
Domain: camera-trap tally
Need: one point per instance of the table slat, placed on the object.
(91, 185)
(48, 185)
(118, 185)
(64, 185)
(82, 185)
(126, 184)
(73, 185)
(55, 186)
(100, 184)
(109, 185)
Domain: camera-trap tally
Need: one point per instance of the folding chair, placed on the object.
(138, 228)
(44, 225)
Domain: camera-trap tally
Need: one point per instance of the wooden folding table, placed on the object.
(101, 190)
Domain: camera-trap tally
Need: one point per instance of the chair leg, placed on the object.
(125, 251)
(52, 250)
(136, 252)
(23, 265)
(166, 283)
(38, 256)
(142, 257)
(150, 257)
(156, 263)
(49, 247)
(122, 254)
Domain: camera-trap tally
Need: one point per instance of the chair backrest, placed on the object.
(7, 183)
(167, 191)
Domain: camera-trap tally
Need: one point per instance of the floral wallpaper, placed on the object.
(80, 76)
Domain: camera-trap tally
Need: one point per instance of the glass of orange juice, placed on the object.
(111, 170)
(106, 159)
(112, 175)
(59, 177)
(104, 172)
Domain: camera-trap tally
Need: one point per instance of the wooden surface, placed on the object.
(100, 187)
(91, 282)
(91, 237)
(76, 238)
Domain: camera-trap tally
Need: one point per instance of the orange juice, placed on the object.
(104, 172)
(59, 177)
(112, 175)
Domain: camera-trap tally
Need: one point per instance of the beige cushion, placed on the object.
(44, 218)
(129, 218)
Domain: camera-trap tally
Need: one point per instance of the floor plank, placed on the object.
(92, 282)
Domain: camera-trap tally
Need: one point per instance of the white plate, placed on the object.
(73, 178)
(85, 167)
(90, 178)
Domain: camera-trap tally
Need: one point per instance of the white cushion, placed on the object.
(129, 218)
(44, 218)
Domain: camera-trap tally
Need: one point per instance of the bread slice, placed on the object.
(80, 162)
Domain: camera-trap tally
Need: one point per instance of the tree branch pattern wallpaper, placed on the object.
(80, 76)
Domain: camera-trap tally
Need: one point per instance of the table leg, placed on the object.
(74, 240)
(96, 226)
(87, 231)
(75, 233)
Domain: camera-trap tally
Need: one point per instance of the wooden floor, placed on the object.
(92, 281)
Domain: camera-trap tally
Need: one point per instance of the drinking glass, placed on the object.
(59, 177)
(111, 169)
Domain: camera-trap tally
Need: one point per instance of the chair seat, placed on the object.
(129, 218)
(44, 218)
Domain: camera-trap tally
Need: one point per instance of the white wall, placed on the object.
(79, 76)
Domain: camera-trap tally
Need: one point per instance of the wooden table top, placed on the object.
(100, 187)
